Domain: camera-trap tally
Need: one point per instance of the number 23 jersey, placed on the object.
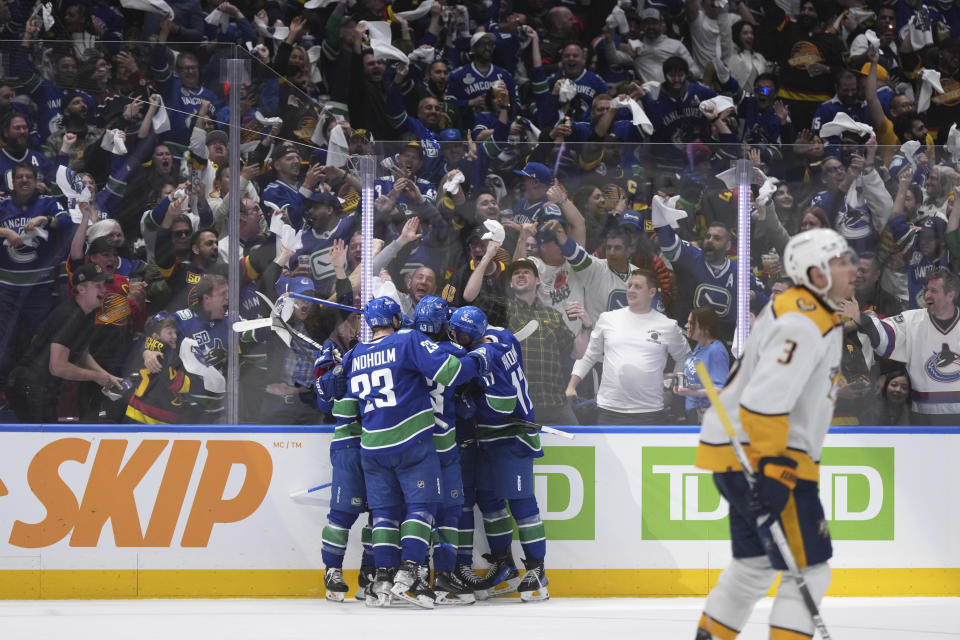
(780, 397)
(387, 389)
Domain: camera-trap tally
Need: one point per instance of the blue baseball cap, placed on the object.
(537, 171)
(327, 198)
(450, 135)
(631, 218)
(298, 284)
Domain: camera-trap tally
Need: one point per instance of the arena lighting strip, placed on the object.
(744, 175)
(367, 165)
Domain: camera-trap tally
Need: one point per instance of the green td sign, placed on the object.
(565, 486)
(680, 502)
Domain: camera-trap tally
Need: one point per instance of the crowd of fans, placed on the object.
(531, 156)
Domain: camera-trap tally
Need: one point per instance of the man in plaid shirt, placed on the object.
(549, 350)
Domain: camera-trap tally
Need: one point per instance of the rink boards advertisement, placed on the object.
(214, 511)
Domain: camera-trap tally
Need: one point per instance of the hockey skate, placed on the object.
(410, 586)
(380, 590)
(450, 589)
(533, 587)
(503, 577)
(364, 581)
(335, 586)
(478, 585)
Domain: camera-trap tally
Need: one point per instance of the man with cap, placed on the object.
(550, 349)
(655, 47)
(289, 397)
(77, 132)
(534, 206)
(403, 189)
(59, 351)
(481, 281)
(924, 252)
(326, 227)
(121, 313)
(287, 194)
(469, 84)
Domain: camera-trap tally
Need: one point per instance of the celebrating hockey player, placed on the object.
(386, 386)
(505, 462)
(780, 401)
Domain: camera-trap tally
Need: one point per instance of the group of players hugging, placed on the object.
(431, 420)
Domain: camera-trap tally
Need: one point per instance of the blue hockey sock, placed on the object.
(497, 523)
(386, 536)
(334, 537)
(415, 532)
(445, 548)
(465, 536)
(533, 539)
(366, 541)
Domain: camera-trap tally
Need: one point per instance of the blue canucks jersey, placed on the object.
(280, 195)
(677, 121)
(700, 285)
(317, 246)
(539, 212)
(209, 334)
(25, 266)
(506, 396)
(432, 169)
(445, 410)
(589, 85)
(384, 185)
(387, 389)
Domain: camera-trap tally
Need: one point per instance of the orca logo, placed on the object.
(943, 365)
(708, 295)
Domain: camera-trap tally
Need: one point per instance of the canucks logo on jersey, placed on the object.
(943, 365)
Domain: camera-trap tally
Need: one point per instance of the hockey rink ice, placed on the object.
(556, 619)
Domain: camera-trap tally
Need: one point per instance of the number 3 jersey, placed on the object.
(781, 395)
(387, 388)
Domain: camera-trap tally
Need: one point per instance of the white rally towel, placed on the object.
(919, 38)
(286, 235)
(618, 20)
(929, 82)
(318, 4)
(338, 151)
(113, 142)
(452, 186)
(652, 87)
(161, 121)
(664, 212)
(380, 42)
(729, 177)
(424, 54)
(150, 6)
(953, 142)
(495, 231)
(767, 189)
(720, 103)
(841, 123)
(267, 122)
(219, 19)
(419, 12)
(313, 55)
(71, 185)
(637, 115)
(568, 90)
(190, 354)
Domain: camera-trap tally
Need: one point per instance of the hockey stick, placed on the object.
(283, 324)
(533, 426)
(776, 531)
(326, 303)
(305, 492)
(526, 330)
(250, 325)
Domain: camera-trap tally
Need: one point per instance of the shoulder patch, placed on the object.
(185, 314)
(799, 300)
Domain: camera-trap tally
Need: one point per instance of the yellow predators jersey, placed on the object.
(780, 396)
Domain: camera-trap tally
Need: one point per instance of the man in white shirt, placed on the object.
(633, 343)
(655, 47)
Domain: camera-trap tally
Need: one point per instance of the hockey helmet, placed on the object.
(469, 321)
(813, 248)
(430, 315)
(380, 312)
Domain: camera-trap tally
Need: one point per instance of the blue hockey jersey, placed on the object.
(387, 389)
(506, 396)
(25, 266)
(445, 410)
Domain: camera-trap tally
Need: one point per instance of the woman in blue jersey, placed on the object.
(701, 329)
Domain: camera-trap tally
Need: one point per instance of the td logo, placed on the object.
(680, 502)
(564, 483)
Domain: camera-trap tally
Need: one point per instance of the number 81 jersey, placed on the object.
(780, 396)
(387, 389)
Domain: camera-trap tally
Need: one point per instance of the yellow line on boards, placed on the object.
(52, 584)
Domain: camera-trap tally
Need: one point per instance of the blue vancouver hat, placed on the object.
(537, 171)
